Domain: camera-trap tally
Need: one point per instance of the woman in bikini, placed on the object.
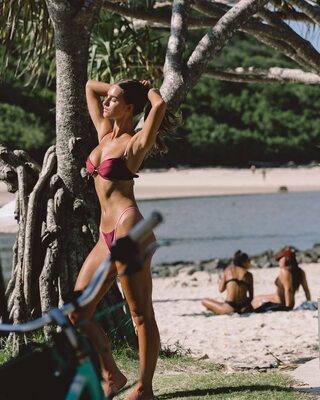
(290, 277)
(113, 165)
(238, 282)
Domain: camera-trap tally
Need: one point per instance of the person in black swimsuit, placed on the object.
(238, 282)
(290, 277)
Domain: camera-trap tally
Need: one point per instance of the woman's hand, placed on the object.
(146, 83)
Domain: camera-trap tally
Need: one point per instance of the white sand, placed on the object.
(224, 181)
(237, 341)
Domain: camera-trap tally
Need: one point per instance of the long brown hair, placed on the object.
(134, 92)
(240, 258)
(297, 273)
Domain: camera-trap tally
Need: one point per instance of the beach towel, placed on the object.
(308, 305)
(270, 306)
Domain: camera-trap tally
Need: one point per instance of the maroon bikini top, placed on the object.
(111, 169)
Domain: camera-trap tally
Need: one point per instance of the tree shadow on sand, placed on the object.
(224, 390)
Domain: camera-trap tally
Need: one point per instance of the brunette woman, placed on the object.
(290, 277)
(113, 164)
(238, 282)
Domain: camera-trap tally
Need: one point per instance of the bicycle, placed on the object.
(69, 369)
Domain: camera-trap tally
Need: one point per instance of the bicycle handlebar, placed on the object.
(137, 234)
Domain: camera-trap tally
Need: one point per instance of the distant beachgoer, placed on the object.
(253, 168)
(290, 277)
(238, 282)
(264, 174)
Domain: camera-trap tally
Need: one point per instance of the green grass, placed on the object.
(181, 377)
(184, 378)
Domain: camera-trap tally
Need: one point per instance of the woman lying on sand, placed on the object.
(239, 284)
(290, 277)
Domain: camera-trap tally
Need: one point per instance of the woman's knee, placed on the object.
(143, 317)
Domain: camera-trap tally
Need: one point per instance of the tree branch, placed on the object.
(302, 47)
(160, 17)
(312, 11)
(257, 75)
(213, 41)
(264, 33)
(176, 44)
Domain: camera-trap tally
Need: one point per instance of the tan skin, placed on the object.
(287, 297)
(113, 120)
(235, 292)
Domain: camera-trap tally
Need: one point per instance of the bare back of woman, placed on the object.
(290, 277)
(238, 282)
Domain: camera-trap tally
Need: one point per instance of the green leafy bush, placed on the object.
(20, 129)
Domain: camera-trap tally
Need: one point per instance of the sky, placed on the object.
(311, 33)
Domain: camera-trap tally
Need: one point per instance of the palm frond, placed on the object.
(26, 36)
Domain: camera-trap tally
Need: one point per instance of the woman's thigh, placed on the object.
(217, 307)
(88, 269)
(264, 298)
(137, 286)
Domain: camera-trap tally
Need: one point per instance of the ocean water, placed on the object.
(209, 227)
(215, 227)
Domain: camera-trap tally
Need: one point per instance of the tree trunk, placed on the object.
(58, 223)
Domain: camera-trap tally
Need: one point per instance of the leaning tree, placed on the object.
(55, 212)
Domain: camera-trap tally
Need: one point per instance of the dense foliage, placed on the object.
(234, 124)
(225, 123)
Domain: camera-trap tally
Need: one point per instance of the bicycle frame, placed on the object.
(85, 379)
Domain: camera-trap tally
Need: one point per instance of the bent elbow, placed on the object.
(160, 105)
(89, 84)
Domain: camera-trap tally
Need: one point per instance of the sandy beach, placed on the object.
(249, 341)
(224, 181)
(240, 342)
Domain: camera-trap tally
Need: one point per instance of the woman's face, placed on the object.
(282, 262)
(114, 106)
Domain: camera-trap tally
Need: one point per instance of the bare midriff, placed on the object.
(114, 197)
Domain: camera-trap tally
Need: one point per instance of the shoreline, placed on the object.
(200, 182)
(177, 183)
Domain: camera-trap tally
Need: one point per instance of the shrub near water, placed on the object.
(20, 129)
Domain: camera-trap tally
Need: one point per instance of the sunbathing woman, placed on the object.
(238, 282)
(290, 277)
(113, 164)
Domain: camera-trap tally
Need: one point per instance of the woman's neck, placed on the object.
(125, 125)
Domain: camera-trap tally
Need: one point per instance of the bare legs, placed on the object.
(217, 307)
(137, 289)
(114, 379)
(257, 301)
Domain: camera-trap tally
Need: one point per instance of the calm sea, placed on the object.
(209, 227)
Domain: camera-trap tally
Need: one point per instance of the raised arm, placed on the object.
(146, 138)
(94, 91)
(305, 286)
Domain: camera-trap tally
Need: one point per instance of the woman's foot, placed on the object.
(138, 394)
(114, 384)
